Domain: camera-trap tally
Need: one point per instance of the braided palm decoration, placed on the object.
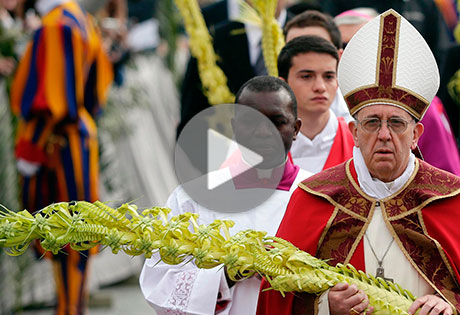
(272, 35)
(212, 77)
(83, 225)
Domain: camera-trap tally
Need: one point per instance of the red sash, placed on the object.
(342, 148)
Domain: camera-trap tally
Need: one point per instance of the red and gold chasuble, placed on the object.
(328, 215)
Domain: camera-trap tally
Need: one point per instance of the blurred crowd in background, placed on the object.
(148, 50)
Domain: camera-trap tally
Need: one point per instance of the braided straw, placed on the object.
(212, 78)
(84, 225)
(457, 27)
(272, 35)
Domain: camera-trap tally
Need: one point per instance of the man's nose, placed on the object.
(263, 129)
(384, 133)
(319, 84)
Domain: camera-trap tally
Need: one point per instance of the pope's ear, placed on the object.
(353, 127)
(418, 131)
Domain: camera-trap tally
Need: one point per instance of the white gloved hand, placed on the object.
(27, 168)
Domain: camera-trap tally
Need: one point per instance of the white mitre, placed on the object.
(388, 62)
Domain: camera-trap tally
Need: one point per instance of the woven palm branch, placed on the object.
(457, 28)
(453, 87)
(262, 13)
(84, 225)
(212, 77)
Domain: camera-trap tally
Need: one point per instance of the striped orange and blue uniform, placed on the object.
(60, 85)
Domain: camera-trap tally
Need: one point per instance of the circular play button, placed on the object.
(229, 158)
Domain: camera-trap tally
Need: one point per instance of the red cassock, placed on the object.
(327, 217)
(342, 148)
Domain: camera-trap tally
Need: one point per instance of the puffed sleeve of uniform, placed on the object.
(184, 287)
(63, 68)
(38, 105)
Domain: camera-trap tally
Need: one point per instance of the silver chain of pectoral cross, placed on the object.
(380, 271)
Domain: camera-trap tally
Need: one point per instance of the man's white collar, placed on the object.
(374, 187)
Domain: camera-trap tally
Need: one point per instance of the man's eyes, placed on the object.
(372, 121)
(279, 122)
(397, 122)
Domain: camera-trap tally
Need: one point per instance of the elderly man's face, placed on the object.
(386, 153)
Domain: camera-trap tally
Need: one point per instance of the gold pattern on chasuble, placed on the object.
(350, 218)
(404, 212)
(353, 207)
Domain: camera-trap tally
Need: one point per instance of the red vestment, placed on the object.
(342, 148)
(327, 217)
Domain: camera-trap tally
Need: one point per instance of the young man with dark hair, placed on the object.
(322, 25)
(309, 65)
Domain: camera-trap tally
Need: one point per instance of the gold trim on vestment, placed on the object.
(393, 60)
(396, 205)
(417, 210)
(333, 202)
(327, 227)
(443, 256)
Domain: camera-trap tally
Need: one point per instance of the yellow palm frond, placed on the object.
(84, 225)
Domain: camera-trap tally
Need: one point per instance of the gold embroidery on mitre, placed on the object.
(385, 90)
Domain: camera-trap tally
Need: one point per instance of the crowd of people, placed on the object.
(356, 209)
(371, 137)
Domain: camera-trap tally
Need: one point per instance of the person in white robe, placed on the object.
(185, 289)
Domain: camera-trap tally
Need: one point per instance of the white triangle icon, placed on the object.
(221, 147)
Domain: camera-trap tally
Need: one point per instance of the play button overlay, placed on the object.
(229, 158)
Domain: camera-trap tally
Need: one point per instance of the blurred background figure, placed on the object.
(424, 15)
(8, 175)
(58, 89)
(138, 126)
(437, 143)
(349, 22)
(8, 36)
(113, 23)
(448, 9)
(7, 48)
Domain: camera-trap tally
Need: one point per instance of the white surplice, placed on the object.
(311, 155)
(185, 289)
